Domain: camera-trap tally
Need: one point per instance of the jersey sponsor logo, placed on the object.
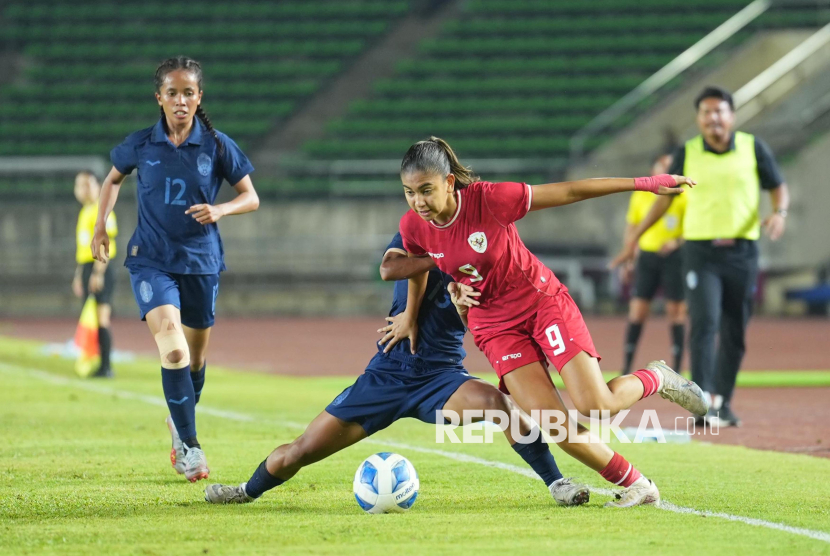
(436, 255)
(511, 356)
(478, 241)
(153, 162)
(203, 164)
(145, 290)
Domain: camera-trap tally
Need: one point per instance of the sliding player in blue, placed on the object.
(175, 255)
(399, 383)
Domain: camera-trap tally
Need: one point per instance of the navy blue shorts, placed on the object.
(390, 390)
(193, 294)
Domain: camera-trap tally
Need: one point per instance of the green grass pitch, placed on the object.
(84, 470)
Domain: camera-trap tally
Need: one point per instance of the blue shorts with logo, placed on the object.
(390, 390)
(193, 294)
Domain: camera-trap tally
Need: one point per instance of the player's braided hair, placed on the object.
(435, 156)
(191, 65)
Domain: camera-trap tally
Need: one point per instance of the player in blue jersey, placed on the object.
(175, 254)
(398, 383)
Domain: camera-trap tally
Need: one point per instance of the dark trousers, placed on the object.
(720, 283)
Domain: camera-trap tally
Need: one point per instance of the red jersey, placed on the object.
(481, 247)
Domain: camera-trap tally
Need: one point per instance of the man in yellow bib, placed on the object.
(92, 276)
(659, 265)
(721, 228)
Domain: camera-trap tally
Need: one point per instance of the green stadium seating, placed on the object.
(514, 78)
(503, 78)
(88, 77)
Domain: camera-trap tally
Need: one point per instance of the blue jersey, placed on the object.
(170, 180)
(440, 329)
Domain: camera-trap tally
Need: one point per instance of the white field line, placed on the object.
(246, 418)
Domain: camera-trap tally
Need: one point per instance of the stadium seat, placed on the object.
(513, 78)
(88, 77)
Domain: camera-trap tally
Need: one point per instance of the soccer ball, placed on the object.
(386, 483)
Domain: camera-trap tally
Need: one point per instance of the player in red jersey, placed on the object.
(524, 315)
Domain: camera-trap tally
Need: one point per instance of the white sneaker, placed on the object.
(226, 494)
(567, 493)
(677, 389)
(641, 493)
(177, 451)
(195, 465)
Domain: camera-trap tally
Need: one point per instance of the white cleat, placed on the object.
(195, 465)
(642, 492)
(567, 493)
(177, 450)
(226, 494)
(677, 389)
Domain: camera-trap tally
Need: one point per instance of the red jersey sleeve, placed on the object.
(408, 229)
(507, 201)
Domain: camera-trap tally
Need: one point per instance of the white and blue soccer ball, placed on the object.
(386, 483)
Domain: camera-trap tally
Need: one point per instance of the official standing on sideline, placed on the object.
(721, 228)
(93, 276)
(659, 264)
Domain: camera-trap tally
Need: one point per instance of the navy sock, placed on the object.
(261, 481)
(105, 346)
(198, 379)
(678, 335)
(181, 401)
(537, 455)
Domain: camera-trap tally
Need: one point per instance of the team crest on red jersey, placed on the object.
(478, 241)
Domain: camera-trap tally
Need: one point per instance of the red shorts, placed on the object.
(555, 331)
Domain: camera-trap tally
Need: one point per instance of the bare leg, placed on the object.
(589, 391)
(104, 314)
(532, 388)
(638, 310)
(156, 317)
(197, 342)
(676, 311)
(324, 436)
(480, 395)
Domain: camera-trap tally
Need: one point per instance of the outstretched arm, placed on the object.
(396, 265)
(565, 193)
(106, 202)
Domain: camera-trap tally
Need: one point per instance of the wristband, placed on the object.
(653, 183)
(781, 212)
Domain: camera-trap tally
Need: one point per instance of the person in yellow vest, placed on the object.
(658, 265)
(93, 276)
(721, 229)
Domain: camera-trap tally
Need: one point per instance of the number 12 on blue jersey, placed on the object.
(178, 200)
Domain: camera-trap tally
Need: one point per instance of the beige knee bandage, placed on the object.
(170, 339)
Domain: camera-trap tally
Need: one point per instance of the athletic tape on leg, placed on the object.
(170, 340)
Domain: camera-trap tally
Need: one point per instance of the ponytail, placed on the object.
(200, 112)
(435, 156)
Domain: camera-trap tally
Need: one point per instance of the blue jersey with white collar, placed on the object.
(170, 180)
(440, 329)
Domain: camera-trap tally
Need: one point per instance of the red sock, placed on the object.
(620, 472)
(650, 380)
